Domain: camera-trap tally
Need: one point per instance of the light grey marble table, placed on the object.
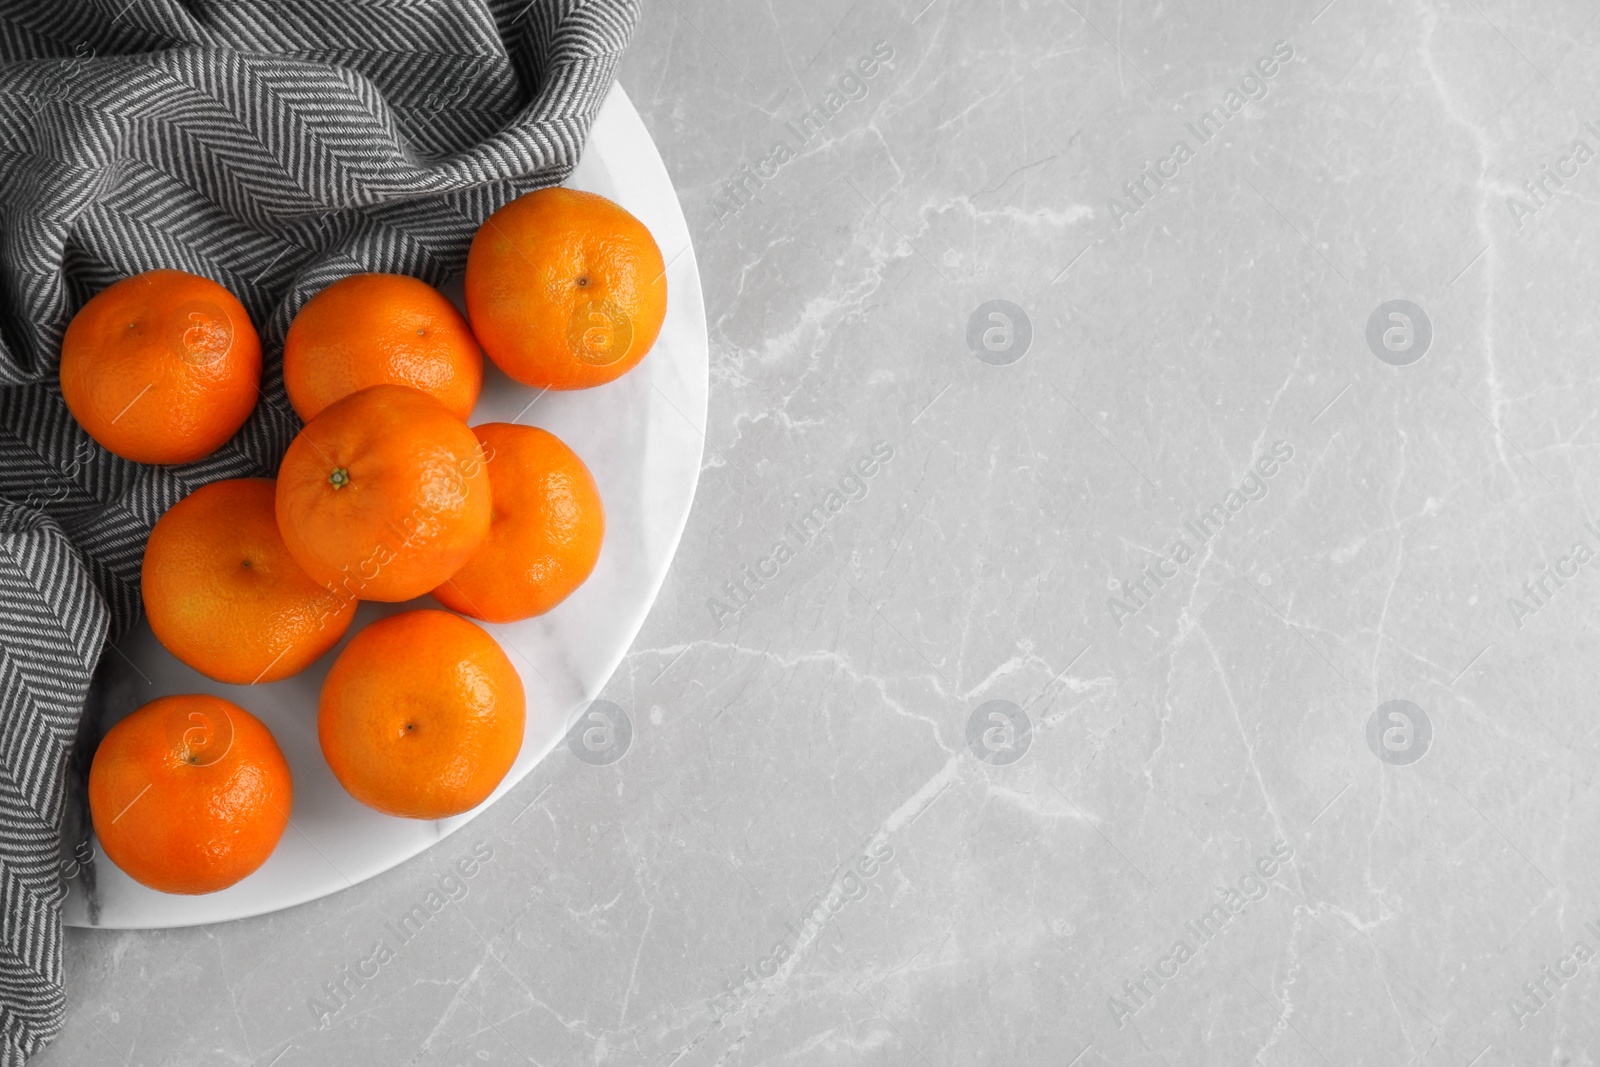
(1024, 691)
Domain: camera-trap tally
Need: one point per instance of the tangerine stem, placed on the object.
(339, 478)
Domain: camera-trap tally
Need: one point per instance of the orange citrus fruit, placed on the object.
(565, 289)
(369, 329)
(224, 595)
(421, 715)
(384, 495)
(162, 367)
(189, 794)
(545, 528)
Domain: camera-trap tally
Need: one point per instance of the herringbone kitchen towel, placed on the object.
(274, 146)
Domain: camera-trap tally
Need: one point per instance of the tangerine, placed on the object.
(161, 367)
(383, 495)
(421, 715)
(189, 794)
(565, 289)
(545, 528)
(369, 329)
(224, 595)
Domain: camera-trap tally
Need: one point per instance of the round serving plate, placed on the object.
(641, 436)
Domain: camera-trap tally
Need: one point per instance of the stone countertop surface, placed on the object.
(1140, 604)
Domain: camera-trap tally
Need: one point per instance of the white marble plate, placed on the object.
(641, 437)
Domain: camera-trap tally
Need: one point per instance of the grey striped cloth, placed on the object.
(274, 146)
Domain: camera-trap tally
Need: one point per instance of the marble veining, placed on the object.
(981, 771)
